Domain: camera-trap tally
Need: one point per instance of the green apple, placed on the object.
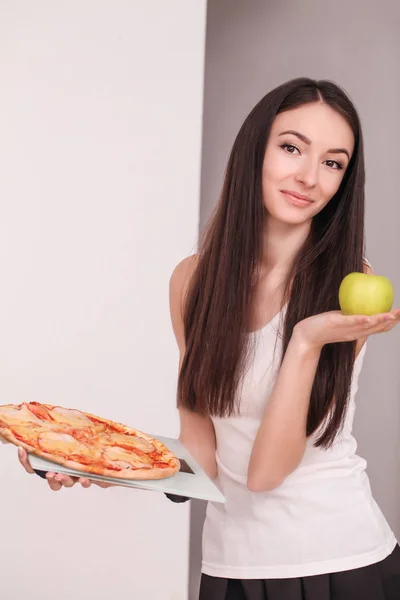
(363, 294)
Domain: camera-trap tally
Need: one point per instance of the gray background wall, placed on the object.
(251, 47)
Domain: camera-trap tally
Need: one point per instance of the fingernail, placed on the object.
(20, 451)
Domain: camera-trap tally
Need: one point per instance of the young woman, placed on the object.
(269, 366)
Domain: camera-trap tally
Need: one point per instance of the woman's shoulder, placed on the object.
(183, 272)
(179, 283)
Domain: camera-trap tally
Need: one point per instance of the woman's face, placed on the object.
(308, 151)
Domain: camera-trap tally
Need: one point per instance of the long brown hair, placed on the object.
(219, 299)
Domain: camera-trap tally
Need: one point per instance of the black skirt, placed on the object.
(380, 581)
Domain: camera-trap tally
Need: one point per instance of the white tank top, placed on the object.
(322, 519)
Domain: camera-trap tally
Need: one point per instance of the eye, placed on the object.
(334, 164)
(290, 149)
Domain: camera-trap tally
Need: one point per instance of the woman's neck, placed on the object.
(281, 244)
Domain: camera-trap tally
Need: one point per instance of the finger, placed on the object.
(53, 484)
(367, 320)
(23, 459)
(387, 317)
(85, 483)
(395, 314)
(65, 480)
(380, 318)
(104, 484)
(375, 324)
(360, 326)
(338, 318)
(353, 322)
(388, 326)
(382, 326)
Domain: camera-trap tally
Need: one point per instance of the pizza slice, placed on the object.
(86, 442)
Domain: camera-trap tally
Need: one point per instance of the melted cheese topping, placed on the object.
(115, 456)
(62, 443)
(70, 417)
(18, 415)
(129, 441)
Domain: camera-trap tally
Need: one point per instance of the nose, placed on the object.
(308, 173)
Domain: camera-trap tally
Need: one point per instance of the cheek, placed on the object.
(276, 167)
(329, 185)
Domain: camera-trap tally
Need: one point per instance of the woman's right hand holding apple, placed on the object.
(333, 326)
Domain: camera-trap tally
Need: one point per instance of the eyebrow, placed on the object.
(305, 139)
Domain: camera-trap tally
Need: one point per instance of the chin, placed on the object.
(289, 217)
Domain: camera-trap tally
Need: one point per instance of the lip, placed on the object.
(297, 199)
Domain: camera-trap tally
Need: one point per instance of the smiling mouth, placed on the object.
(297, 199)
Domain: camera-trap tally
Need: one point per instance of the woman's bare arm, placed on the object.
(196, 432)
(281, 439)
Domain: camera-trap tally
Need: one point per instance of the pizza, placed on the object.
(85, 442)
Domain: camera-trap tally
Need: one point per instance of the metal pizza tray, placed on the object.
(191, 481)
